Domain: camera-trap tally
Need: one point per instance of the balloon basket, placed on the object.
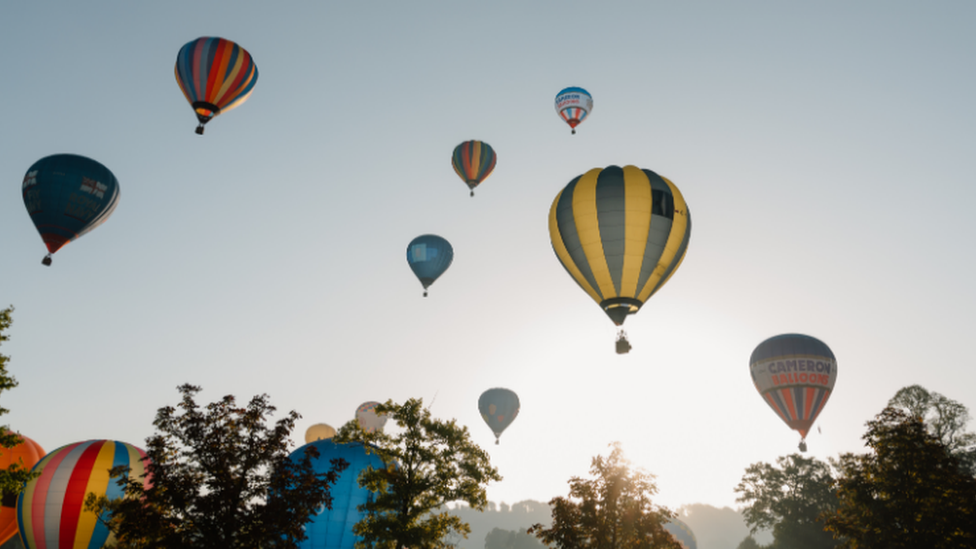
(46, 260)
(623, 346)
(200, 129)
(803, 446)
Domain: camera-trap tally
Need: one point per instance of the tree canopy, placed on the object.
(220, 477)
(430, 463)
(788, 498)
(945, 418)
(12, 479)
(611, 511)
(907, 492)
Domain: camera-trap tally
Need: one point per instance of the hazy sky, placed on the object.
(824, 149)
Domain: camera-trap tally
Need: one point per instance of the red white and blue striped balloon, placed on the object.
(50, 511)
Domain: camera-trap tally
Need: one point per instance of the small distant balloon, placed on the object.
(319, 431)
(795, 375)
(68, 195)
(499, 408)
(573, 105)
(368, 419)
(473, 161)
(681, 532)
(25, 455)
(429, 256)
(51, 510)
(215, 75)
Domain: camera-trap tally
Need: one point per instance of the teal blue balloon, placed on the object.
(429, 256)
(499, 408)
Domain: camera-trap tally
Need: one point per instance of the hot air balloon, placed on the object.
(429, 256)
(368, 419)
(499, 408)
(332, 528)
(572, 105)
(66, 196)
(25, 455)
(620, 233)
(682, 533)
(473, 161)
(319, 431)
(50, 510)
(216, 75)
(794, 374)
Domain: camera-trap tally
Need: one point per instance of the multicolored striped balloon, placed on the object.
(795, 374)
(573, 105)
(50, 511)
(473, 161)
(26, 455)
(215, 75)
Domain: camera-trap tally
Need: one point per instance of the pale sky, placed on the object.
(824, 150)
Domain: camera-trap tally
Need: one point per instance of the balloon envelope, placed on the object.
(215, 75)
(573, 105)
(473, 161)
(429, 256)
(332, 529)
(25, 455)
(319, 431)
(68, 195)
(794, 374)
(50, 511)
(368, 419)
(499, 408)
(620, 233)
(682, 533)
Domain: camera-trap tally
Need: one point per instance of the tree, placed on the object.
(945, 418)
(432, 462)
(611, 511)
(220, 477)
(908, 492)
(507, 539)
(787, 499)
(12, 479)
(749, 543)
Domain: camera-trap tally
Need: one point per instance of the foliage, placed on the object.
(787, 499)
(749, 543)
(430, 463)
(12, 479)
(944, 417)
(908, 492)
(507, 539)
(612, 511)
(220, 477)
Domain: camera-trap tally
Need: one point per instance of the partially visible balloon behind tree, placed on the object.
(682, 533)
(499, 408)
(332, 529)
(319, 431)
(216, 75)
(621, 233)
(573, 105)
(473, 161)
(50, 511)
(66, 196)
(25, 455)
(368, 419)
(429, 256)
(794, 374)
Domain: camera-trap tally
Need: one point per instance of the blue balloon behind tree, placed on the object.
(332, 529)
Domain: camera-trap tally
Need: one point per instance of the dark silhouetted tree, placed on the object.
(749, 543)
(611, 511)
(787, 499)
(945, 418)
(430, 463)
(13, 478)
(908, 492)
(220, 477)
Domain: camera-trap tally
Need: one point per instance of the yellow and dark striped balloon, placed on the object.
(620, 233)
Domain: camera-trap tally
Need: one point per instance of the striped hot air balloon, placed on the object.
(68, 195)
(216, 75)
(473, 161)
(50, 510)
(573, 105)
(621, 233)
(794, 374)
